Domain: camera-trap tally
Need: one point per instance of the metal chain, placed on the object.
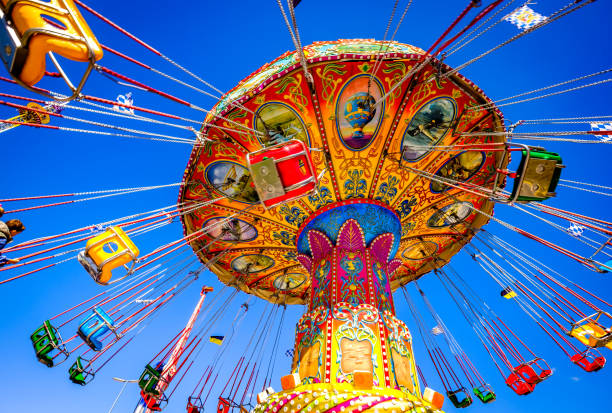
(458, 46)
(555, 16)
(495, 103)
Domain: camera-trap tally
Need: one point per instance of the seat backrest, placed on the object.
(68, 36)
(518, 385)
(484, 394)
(527, 373)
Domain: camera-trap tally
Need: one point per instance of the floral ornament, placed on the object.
(321, 198)
(294, 216)
(354, 186)
(355, 338)
(284, 237)
(387, 190)
(405, 208)
(352, 288)
(290, 255)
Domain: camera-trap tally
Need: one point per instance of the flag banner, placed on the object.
(217, 339)
(525, 18)
(576, 229)
(437, 330)
(289, 353)
(508, 293)
(124, 100)
(603, 127)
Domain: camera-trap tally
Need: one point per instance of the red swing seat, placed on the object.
(589, 362)
(518, 385)
(282, 172)
(527, 371)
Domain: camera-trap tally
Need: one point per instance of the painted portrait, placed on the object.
(279, 123)
(356, 355)
(289, 281)
(358, 119)
(459, 168)
(233, 180)
(231, 230)
(252, 263)
(450, 214)
(401, 368)
(309, 360)
(420, 250)
(427, 127)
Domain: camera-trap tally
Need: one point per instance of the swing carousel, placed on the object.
(333, 178)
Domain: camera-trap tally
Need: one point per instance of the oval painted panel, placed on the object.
(427, 127)
(420, 250)
(450, 214)
(233, 180)
(252, 263)
(357, 118)
(233, 229)
(289, 281)
(279, 123)
(459, 168)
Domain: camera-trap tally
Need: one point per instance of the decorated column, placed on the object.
(351, 352)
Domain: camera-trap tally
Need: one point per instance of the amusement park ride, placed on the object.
(332, 178)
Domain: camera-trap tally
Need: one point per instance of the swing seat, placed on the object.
(94, 326)
(518, 385)
(26, 36)
(590, 332)
(282, 172)
(151, 402)
(606, 267)
(48, 344)
(195, 405)
(460, 398)
(533, 372)
(537, 175)
(223, 406)
(107, 251)
(589, 362)
(78, 374)
(485, 394)
(149, 379)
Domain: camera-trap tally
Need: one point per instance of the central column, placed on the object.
(350, 325)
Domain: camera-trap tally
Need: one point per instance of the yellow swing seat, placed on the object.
(107, 251)
(590, 332)
(32, 28)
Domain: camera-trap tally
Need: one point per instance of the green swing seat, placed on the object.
(78, 374)
(149, 380)
(485, 394)
(539, 175)
(460, 398)
(47, 344)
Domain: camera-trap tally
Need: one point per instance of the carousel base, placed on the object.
(336, 398)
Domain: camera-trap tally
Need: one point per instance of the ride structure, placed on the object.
(331, 177)
(388, 205)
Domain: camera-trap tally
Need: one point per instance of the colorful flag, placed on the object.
(508, 293)
(525, 18)
(124, 100)
(437, 330)
(217, 339)
(290, 353)
(576, 229)
(603, 127)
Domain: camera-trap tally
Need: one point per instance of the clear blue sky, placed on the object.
(223, 42)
